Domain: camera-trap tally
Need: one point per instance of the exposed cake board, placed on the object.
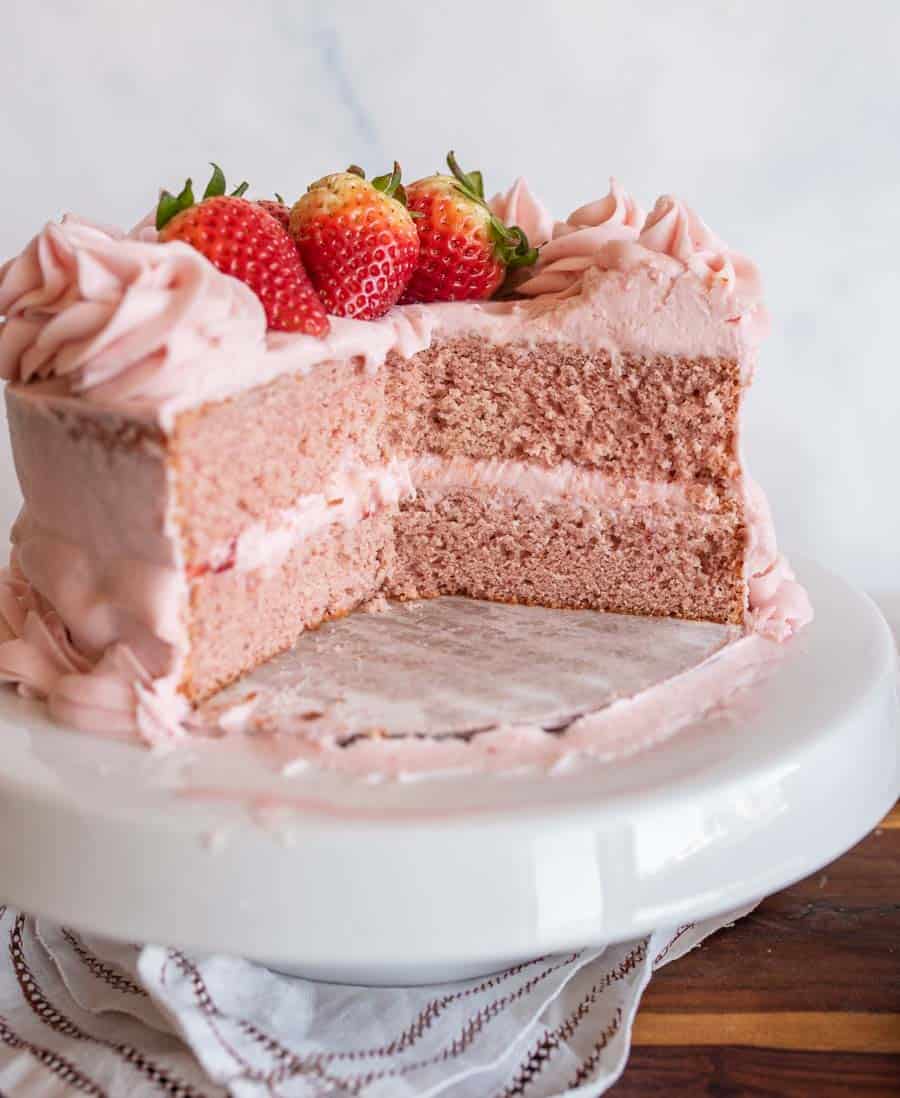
(425, 880)
(452, 666)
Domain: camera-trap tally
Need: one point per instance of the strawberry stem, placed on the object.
(471, 183)
(171, 204)
(216, 184)
(388, 184)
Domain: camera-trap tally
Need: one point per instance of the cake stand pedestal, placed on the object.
(409, 882)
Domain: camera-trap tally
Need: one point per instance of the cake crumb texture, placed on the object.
(241, 459)
(240, 619)
(571, 555)
(652, 416)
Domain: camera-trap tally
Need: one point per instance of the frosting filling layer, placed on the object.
(359, 490)
(356, 491)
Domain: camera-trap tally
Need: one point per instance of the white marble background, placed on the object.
(779, 121)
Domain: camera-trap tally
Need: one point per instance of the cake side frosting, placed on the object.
(93, 600)
(122, 323)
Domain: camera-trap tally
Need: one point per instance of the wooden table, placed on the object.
(800, 998)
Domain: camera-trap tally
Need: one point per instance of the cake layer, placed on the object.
(239, 460)
(571, 553)
(238, 618)
(656, 417)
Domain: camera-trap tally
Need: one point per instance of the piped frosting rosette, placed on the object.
(121, 319)
(577, 243)
(113, 694)
(673, 228)
(613, 234)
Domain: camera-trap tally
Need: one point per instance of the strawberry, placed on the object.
(277, 209)
(464, 249)
(242, 239)
(357, 240)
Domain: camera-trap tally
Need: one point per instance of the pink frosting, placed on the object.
(519, 206)
(355, 491)
(100, 571)
(435, 474)
(576, 242)
(125, 321)
(672, 246)
(113, 695)
(779, 605)
(672, 228)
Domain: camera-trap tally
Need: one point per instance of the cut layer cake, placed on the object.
(201, 487)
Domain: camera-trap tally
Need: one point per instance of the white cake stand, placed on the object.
(445, 878)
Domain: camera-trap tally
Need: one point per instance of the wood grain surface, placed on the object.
(800, 998)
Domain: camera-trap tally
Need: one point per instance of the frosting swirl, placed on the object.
(576, 242)
(115, 696)
(673, 228)
(120, 318)
(613, 235)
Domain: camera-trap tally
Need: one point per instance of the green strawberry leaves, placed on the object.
(470, 183)
(216, 185)
(511, 245)
(171, 204)
(388, 184)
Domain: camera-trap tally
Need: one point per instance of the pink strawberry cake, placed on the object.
(199, 488)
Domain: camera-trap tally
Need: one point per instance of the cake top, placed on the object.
(148, 322)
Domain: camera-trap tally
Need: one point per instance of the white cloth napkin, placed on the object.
(80, 1015)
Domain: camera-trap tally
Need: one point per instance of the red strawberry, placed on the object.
(357, 240)
(464, 250)
(277, 209)
(243, 240)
